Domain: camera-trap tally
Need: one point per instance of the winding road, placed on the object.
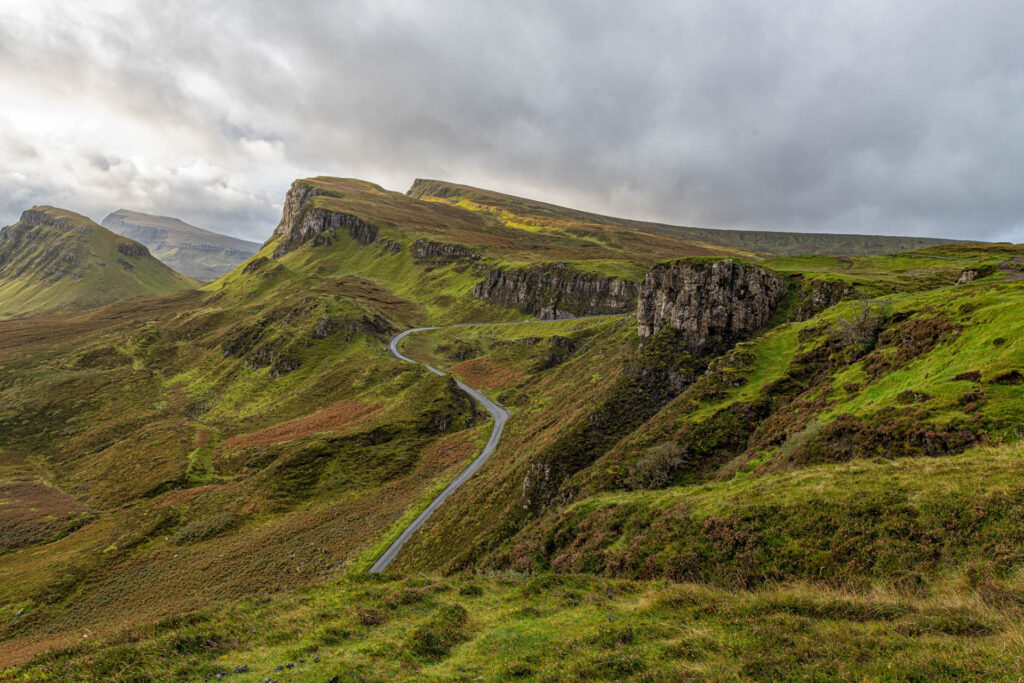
(500, 416)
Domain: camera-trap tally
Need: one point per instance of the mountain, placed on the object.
(53, 260)
(198, 253)
(536, 215)
(718, 463)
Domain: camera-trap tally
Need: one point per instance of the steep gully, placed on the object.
(500, 416)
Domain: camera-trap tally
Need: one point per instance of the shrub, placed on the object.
(654, 469)
(440, 633)
(860, 328)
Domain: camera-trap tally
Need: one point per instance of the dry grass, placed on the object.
(31, 512)
(485, 372)
(340, 415)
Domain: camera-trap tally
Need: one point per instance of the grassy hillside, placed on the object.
(56, 260)
(938, 376)
(198, 253)
(531, 215)
(834, 496)
(563, 628)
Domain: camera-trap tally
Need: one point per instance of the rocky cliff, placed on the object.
(302, 222)
(710, 305)
(439, 252)
(815, 296)
(553, 291)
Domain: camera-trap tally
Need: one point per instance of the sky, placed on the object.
(817, 116)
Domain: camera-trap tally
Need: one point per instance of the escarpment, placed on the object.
(554, 291)
(439, 252)
(817, 295)
(303, 222)
(710, 305)
(53, 218)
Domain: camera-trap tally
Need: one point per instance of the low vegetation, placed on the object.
(835, 496)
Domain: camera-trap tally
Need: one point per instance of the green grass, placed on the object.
(549, 628)
(74, 265)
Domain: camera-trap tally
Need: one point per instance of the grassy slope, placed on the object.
(101, 273)
(260, 481)
(537, 216)
(790, 398)
(548, 628)
(495, 237)
(255, 447)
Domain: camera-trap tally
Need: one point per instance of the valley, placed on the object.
(722, 455)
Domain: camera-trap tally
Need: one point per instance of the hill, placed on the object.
(54, 260)
(534, 215)
(751, 467)
(198, 253)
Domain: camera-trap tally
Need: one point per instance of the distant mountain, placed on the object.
(198, 253)
(54, 259)
(542, 216)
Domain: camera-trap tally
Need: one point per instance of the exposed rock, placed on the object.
(817, 295)
(38, 217)
(302, 222)
(326, 326)
(133, 249)
(255, 264)
(711, 305)
(972, 274)
(556, 291)
(439, 252)
(390, 246)
(970, 376)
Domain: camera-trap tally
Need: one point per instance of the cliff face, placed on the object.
(302, 222)
(710, 305)
(817, 295)
(439, 252)
(555, 291)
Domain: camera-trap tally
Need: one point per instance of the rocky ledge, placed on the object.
(555, 291)
(302, 222)
(439, 252)
(710, 305)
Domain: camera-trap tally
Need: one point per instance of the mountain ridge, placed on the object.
(776, 242)
(54, 259)
(191, 250)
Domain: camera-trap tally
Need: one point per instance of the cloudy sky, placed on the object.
(826, 115)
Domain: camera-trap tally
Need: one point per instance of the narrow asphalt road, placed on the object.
(499, 414)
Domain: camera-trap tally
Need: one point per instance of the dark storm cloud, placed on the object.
(828, 116)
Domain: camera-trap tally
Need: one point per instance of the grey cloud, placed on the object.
(866, 117)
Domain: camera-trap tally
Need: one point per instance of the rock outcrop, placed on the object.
(303, 222)
(42, 217)
(133, 249)
(972, 274)
(441, 253)
(555, 291)
(710, 305)
(817, 295)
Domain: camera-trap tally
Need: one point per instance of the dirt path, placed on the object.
(1012, 273)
